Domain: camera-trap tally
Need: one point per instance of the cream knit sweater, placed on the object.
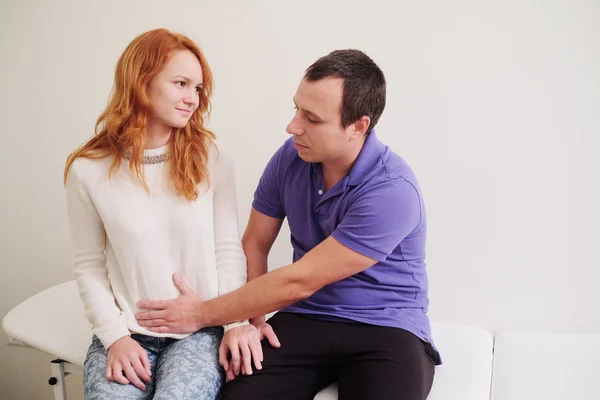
(127, 243)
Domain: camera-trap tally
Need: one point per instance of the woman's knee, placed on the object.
(189, 368)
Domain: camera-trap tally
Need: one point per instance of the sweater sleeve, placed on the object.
(89, 263)
(231, 261)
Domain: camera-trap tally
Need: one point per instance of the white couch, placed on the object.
(477, 365)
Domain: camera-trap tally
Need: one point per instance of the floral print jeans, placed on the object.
(181, 369)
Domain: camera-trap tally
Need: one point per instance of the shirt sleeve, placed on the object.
(88, 239)
(380, 217)
(267, 197)
(230, 258)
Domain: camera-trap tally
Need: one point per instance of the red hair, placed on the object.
(122, 125)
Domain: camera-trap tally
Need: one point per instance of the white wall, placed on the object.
(494, 103)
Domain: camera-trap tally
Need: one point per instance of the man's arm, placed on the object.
(258, 238)
(328, 262)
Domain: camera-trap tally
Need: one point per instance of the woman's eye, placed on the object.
(180, 83)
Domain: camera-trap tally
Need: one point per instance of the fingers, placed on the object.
(139, 370)
(130, 373)
(243, 346)
(152, 304)
(267, 331)
(229, 375)
(223, 353)
(257, 354)
(246, 358)
(146, 363)
(117, 374)
(146, 315)
(181, 285)
(235, 358)
(153, 323)
(128, 363)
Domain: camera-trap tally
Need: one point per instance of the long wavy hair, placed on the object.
(122, 125)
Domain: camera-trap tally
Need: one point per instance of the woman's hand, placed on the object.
(242, 343)
(128, 363)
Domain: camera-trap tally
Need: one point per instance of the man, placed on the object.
(353, 304)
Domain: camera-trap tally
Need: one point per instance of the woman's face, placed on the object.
(175, 91)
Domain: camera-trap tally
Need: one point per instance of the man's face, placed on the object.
(317, 125)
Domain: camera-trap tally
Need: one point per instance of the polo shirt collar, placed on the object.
(367, 159)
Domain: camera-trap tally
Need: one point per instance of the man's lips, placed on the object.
(300, 146)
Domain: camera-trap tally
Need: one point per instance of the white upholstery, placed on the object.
(546, 366)
(467, 363)
(526, 366)
(329, 393)
(52, 321)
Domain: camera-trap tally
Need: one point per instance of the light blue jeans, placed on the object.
(181, 369)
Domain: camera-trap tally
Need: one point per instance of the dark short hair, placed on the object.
(363, 87)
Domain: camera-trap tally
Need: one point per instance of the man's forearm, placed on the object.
(260, 296)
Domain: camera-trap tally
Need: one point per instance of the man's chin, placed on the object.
(307, 157)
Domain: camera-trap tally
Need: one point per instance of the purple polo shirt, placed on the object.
(376, 210)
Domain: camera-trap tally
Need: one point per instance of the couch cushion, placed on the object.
(53, 321)
(466, 371)
(466, 351)
(546, 366)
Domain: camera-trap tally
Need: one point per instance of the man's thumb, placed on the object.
(181, 285)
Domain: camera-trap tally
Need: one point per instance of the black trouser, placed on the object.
(369, 362)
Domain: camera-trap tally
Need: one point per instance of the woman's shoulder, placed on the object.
(218, 154)
(87, 168)
(84, 163)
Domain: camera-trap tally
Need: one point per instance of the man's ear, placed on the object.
(360, 126)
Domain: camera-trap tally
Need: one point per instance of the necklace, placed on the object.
(153, 159)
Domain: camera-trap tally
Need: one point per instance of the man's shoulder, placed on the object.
(396, 165)
(391, 167)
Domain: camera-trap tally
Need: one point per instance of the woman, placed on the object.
(151, 195)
